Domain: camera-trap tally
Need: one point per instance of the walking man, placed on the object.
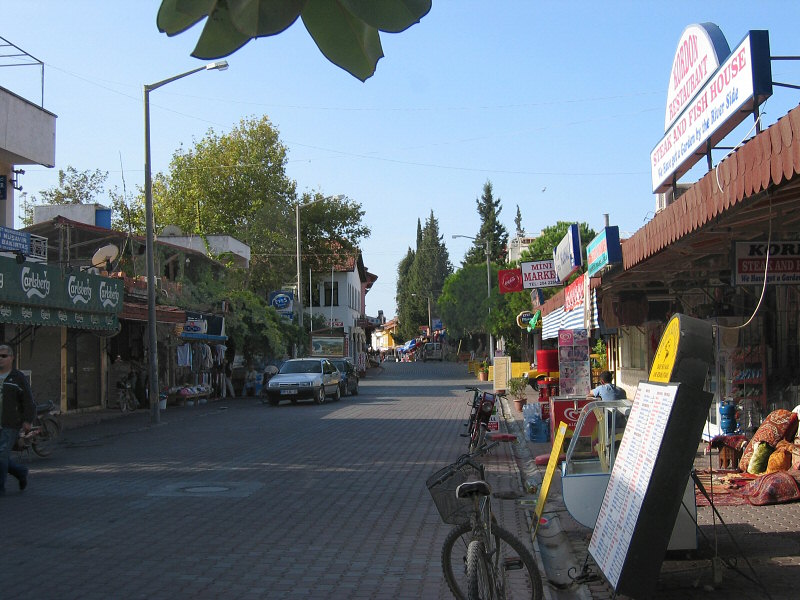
(16, 411)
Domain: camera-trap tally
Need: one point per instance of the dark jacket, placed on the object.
(18, 406)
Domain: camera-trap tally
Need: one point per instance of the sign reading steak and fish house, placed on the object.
(42, 294)
(705, 104)
(751, 262)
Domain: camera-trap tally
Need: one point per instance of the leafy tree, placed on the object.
(426, 276)
(404, 297)
(330, 226)
(491, 229)
(518, 222)
(74, 187)
(235, 184)
(345, 31)
(464, 304)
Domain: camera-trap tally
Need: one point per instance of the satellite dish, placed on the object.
(171, 230)
(105, 255)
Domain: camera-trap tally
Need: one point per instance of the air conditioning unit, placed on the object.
(664, 199)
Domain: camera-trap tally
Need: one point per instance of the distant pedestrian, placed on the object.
(17, 411)
(227, 384)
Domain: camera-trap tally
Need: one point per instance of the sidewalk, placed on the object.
(762, 560)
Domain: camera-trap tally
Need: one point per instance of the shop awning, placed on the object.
(573, 319)
(134, 311)
(205, 337)
(21, 314)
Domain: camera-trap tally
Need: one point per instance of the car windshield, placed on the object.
(341, 365)
(302, 366)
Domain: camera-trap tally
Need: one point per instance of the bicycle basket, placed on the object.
(442, 486)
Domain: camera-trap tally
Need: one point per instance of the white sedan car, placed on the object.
(315, 378)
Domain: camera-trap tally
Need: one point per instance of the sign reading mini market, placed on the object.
(728, 96)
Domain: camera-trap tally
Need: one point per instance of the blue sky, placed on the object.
(558, 104)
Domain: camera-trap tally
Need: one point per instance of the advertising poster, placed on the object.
(575, 373)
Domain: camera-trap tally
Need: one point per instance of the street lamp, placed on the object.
(488, 287)
(430, 328)
(152, 359)
(299, 298)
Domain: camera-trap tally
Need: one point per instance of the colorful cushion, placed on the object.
(775, 488)
(781, 459)
(760, 458)
(780, 424)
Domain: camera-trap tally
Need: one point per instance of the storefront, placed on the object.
(60, 321)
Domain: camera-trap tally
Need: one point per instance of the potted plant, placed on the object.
(483, 372)
(516, 387)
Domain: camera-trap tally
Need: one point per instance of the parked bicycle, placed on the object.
(480, 559)
(44, 432)
(126, 399)
(483, 404)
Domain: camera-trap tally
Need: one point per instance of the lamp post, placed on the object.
(152, 358)
(299, 298)
(428, 298)
(488, 287)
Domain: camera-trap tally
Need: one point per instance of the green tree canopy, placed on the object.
(464, 303)
(345, 31)
(426, 277)
(491, 229)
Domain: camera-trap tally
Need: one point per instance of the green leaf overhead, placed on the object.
(345, 31)
(345, 40)
(389, 15)
(258, 18)
(175, 16)
(220, 36)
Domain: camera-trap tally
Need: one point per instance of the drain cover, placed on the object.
(206, 489)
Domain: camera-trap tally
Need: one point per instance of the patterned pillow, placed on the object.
(779, 424)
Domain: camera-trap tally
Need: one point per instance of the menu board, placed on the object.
(574, 369)
(648, 480)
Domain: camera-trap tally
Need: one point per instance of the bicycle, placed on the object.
(126, 399)
(483, 404)
(480, 559)
(43, 434)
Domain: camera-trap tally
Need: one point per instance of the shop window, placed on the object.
(633, 348)
(332, 293)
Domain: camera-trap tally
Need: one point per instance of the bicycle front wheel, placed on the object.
(519, 577)
(47, 438)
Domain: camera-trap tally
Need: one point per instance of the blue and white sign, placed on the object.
(603, 250)
(567, 255)
(13, 240)
(283, 302)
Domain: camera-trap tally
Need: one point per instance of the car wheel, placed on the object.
(342, 389)
(320, 399)
(337, 394)
(273, 401)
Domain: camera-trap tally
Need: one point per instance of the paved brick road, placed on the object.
(244, 500)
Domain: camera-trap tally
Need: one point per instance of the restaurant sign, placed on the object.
(751, 262)
(46, 286)
(732, 93)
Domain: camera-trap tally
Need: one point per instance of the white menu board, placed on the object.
(630, 477)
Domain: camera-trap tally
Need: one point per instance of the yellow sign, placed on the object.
(558, 443)
(667, 351)
(502, 370)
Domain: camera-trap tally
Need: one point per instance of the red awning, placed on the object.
(133, 311)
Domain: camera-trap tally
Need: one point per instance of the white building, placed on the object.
(339, 297)
(517, 245)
